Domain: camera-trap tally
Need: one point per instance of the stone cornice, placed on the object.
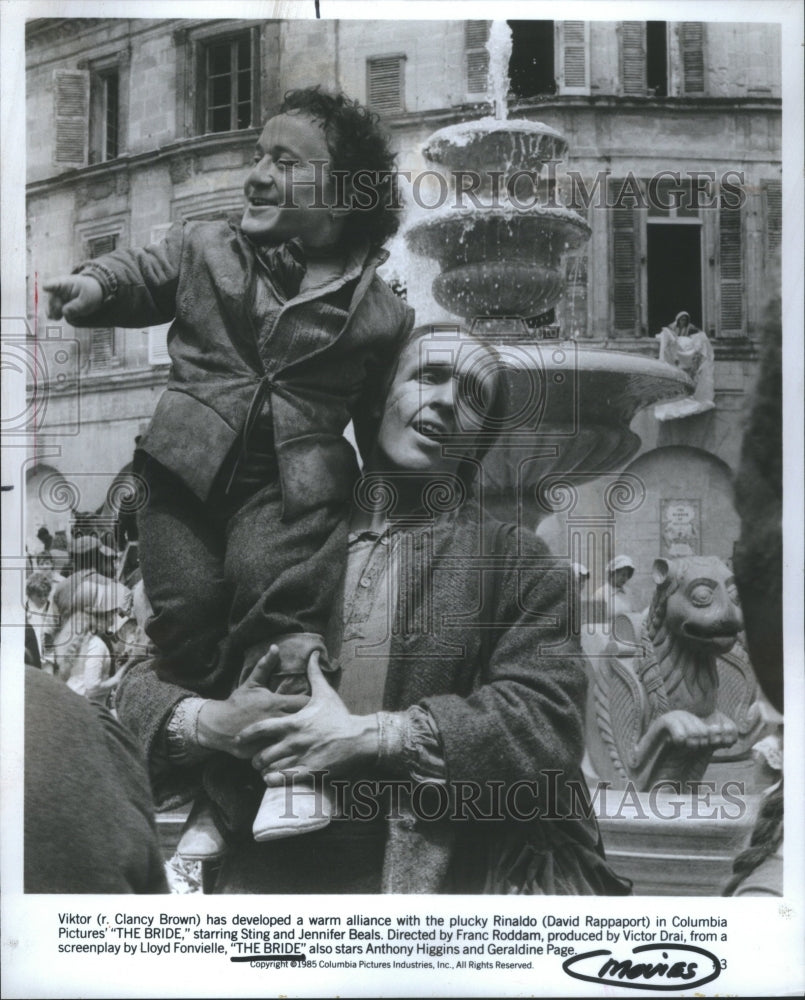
(436, 117)
(196, 146)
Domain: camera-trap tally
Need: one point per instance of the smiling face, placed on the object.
(437, 402)
(289, 189)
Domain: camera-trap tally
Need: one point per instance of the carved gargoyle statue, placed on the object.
(656, 708)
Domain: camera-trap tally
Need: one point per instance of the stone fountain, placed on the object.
(500, 255)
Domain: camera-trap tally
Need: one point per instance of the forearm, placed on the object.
(139, 285)
(145, 705)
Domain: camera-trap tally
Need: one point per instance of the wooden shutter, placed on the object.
(476, 34)
(97, 246)
(633, 57)
(71, 96)
(102, 349)
(691, 40)
(624, 266)
(102, 341)
(384, 86)
(773, 192)
(730, 258)
(574, 52)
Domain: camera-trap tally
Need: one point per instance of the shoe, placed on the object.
(201, 840)
(311, 810)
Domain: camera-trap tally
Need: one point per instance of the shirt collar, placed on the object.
(360, 257)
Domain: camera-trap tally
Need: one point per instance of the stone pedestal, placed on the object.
(673, 845)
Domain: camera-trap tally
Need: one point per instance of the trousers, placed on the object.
(228, 574)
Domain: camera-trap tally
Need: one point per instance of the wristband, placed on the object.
(181, 732)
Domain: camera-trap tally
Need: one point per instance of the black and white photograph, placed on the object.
(402, 499)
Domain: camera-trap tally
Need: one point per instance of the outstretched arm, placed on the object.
(126, 288)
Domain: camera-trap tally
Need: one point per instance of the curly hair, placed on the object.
(360, 148)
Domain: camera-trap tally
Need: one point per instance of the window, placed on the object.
(648, 243)
(531, 66)
(89, 111)
(657, 58)
(385, 84)
(102, 353)
(217, 77)
(673, 246)
(227, 72)
(105, 115)
(646, 64)
(476, 34)
(99, 245)
(111, 114)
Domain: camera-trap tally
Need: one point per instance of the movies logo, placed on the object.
(659, 967)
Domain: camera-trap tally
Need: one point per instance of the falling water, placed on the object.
(499, 47)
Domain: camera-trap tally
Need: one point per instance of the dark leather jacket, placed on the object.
(203, 277)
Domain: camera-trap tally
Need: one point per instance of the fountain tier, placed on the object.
(498, 260)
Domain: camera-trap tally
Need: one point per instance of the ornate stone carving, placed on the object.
(674, 687)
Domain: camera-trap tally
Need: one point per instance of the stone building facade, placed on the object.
(135, 123)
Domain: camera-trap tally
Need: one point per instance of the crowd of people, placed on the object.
(80, 622)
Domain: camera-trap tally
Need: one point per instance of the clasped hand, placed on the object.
(281, 732)
(322, 736)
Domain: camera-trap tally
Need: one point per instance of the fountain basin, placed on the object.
(539, 233)
(568, 410)
(498, 261)
(505, 145)
(500, 288)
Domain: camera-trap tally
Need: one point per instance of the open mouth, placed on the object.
(720, 635)
(262, 203)
(430, 429)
